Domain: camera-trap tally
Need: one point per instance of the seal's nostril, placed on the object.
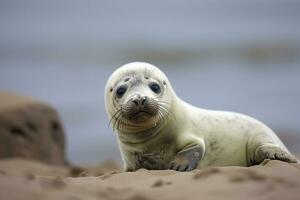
(144, 100)
(135, 102)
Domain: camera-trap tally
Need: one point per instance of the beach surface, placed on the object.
(25, 179)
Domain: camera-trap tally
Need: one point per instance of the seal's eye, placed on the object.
(121, 91)
(155, 87)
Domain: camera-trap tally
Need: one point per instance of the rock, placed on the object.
(30, 129)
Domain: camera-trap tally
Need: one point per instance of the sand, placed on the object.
(24, 179)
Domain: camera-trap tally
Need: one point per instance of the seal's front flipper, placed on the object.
(273, 152)
(187, 159)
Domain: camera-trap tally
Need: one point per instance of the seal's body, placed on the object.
(157, 130)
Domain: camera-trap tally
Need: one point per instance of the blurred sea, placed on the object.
(230, 55)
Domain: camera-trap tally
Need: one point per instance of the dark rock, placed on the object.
(30, 129)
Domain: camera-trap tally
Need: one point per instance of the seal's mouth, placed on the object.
(142, 112)
(140, 115)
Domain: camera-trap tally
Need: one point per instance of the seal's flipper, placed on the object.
(187, 159)
(273, 152)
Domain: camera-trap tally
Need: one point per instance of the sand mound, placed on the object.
(30, 129)
(32, 180)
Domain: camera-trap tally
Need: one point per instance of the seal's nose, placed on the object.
(140, 101)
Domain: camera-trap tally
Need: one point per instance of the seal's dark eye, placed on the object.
(155, 87)
(121, 91)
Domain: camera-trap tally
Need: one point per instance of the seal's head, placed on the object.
(138, 97)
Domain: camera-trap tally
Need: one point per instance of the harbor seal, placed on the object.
(157, 130)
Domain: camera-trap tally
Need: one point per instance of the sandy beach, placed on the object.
(24, 179)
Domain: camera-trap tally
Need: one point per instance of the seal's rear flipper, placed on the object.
(273, 152)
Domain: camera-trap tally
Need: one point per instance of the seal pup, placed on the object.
(157, 130)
